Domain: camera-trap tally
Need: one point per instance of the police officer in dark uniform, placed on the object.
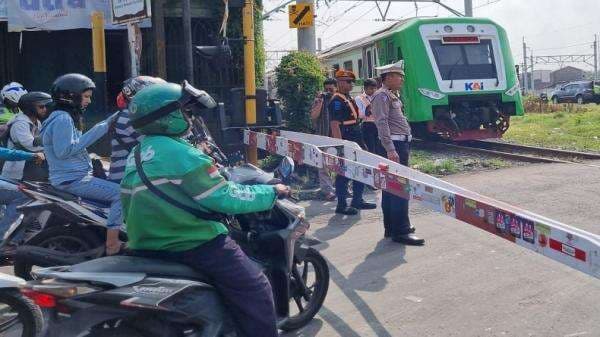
(345, 124)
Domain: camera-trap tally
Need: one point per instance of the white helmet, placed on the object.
(13, 92)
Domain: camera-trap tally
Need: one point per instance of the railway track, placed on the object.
(532, 154)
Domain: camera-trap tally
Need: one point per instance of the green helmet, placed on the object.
(153, 98)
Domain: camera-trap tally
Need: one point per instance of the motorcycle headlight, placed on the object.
(512, 91)
(431, 94)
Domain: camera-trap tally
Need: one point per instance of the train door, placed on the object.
(371, 61)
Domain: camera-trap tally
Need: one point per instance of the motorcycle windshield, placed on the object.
(294, 209)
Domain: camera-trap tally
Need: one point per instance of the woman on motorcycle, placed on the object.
(65, 148)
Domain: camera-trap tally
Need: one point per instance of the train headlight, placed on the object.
(448, 29)
(512, 91)
(431, 94)
(470, 29)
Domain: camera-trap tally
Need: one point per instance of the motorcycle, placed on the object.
(55, 228)
(59, 228)
(135, 296)
(19, 316)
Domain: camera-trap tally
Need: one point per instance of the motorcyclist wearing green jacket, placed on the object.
(158, 229)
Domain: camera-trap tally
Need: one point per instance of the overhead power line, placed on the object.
(352, 22)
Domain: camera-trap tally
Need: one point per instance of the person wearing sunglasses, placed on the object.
(345, 124)
(24, 134)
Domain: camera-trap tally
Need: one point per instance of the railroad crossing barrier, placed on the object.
(571, 246)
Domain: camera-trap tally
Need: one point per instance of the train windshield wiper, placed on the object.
(452, 70)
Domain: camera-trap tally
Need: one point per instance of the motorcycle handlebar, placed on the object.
(250, 236)
(242, 236)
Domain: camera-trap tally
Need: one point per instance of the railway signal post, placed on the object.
(301, 16)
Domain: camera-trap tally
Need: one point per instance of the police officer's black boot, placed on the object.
(346, 210)
(357, 198)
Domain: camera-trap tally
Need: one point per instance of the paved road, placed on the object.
(464, 282)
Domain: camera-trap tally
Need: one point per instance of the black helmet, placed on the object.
(28, 101)
(67, 89)
(132, 85)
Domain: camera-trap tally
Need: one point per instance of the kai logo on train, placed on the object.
(473, 86)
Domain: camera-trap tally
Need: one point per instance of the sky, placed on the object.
(550, 27)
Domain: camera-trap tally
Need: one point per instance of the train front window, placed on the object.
(465, 61)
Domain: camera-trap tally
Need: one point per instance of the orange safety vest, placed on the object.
(351, 106)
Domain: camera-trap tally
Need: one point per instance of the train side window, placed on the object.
(360, 69)
(336, 67)
(400, 56)
(390, 52)
(369, 64)
(348, 65)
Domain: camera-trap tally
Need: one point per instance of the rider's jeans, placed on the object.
(98, 189)
(11, 197)
(246, 290)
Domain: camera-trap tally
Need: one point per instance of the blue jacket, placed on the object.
(65, 147)
(14, 155)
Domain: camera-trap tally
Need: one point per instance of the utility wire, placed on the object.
(565, 47)
(489, 2)
(352, 22)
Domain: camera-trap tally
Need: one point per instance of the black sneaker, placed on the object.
(364, 205)
(346, 210)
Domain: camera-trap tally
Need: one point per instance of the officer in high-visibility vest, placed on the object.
(345, 124)
(363, 101)
(395, 136)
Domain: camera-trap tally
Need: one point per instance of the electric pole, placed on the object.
(595, 57)
(307, 38)
(249, 73)
(532, 78)
(187, 40)
(468, 7)
(524, 67)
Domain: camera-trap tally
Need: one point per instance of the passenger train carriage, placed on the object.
(461, 82)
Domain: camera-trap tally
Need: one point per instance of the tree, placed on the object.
(299, 77)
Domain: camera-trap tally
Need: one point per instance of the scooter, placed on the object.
(134, 296)
(66, 228)
(19, 316)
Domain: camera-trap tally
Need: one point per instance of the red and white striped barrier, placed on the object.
(566, 244)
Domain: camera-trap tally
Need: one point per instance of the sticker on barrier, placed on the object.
(568, 245)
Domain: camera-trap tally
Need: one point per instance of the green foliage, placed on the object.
(425, 163)
(260, 56)
(299, 77)
(578, 130)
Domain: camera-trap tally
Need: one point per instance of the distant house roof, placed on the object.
(568, 68)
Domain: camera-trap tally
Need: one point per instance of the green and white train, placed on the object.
(461, 82)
